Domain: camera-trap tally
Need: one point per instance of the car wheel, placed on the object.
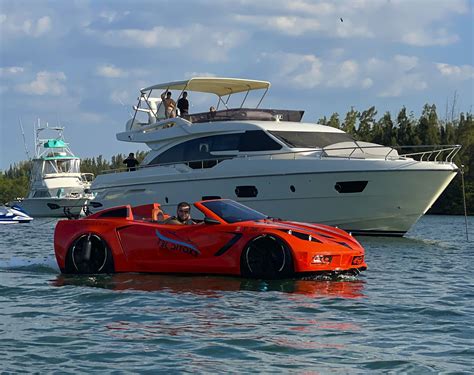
(89, 254)
(266, 257)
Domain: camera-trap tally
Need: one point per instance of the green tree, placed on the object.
(366, 123)
(349, 124)
(428, 126)
(334, 121)
(377, 132)
(465, 137)
(322, 121)
(405, 128)
(389, 134)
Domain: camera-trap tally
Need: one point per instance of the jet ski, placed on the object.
(13, 215)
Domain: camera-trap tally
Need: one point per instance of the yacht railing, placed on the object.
(444, 152)
(438, 154)
(434, 153)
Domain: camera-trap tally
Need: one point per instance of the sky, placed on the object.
(80, 63)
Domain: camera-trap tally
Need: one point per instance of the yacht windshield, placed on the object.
(311, 139)
(233, 212)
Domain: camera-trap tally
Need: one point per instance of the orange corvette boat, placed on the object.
(232, 239)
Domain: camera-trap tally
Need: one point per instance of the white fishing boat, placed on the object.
(55, 178)
(13, 215)
(271, 161)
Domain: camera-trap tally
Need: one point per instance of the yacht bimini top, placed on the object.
(213, 85)
(223, 88)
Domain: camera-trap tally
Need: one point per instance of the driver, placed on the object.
(183, 215)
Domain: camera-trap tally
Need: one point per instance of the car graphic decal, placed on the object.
(178, 244)
(228, 245)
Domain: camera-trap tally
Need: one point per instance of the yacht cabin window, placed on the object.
(41, 194)
(311, 139)
(203, 148)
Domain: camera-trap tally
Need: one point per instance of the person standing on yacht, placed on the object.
(212, 112)
(131, 162)
(170, 104)
(183, 105)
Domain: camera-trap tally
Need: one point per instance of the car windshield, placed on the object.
(233, 212)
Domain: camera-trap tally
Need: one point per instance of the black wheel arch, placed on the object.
(267, 256)
(98, 260)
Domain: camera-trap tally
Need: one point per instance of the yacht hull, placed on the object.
(38, 207)
(390, 203)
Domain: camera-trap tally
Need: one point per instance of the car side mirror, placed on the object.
(209, 220)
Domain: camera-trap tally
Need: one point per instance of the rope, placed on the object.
(464, 200)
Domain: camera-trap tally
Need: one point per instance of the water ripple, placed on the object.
(410, 312)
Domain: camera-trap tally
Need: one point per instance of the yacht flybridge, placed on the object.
(55, 178)
(269, 160)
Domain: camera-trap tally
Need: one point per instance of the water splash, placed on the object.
(44, 264)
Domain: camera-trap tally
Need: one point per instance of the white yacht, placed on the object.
(269, 160)
(56, 180)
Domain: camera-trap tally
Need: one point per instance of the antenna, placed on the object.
(24, 139)
(126, 108)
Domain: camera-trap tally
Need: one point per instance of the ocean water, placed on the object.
(412, 311)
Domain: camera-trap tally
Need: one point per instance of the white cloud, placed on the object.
(289, 25)
(440, 37)
(17, 25)
(463, 72)
(345, 75)
(11, 70)
(298, 70)
(401, 84)
(110, 71)
(43, 25)
(309, 71)
(396, 76)
(401, 75)
(46, 83)
(367, 82)
(321, 8)
(415, 23)
(155, 37)
(197, 40)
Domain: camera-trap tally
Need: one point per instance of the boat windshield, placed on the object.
(4, 210)
(311, 139)
(233, 212)
(56, 165)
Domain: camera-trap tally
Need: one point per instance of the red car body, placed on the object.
(231, 240)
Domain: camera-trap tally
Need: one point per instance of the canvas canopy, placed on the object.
(213, 85)
(54, 143)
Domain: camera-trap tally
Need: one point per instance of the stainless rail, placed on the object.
(445, 152)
